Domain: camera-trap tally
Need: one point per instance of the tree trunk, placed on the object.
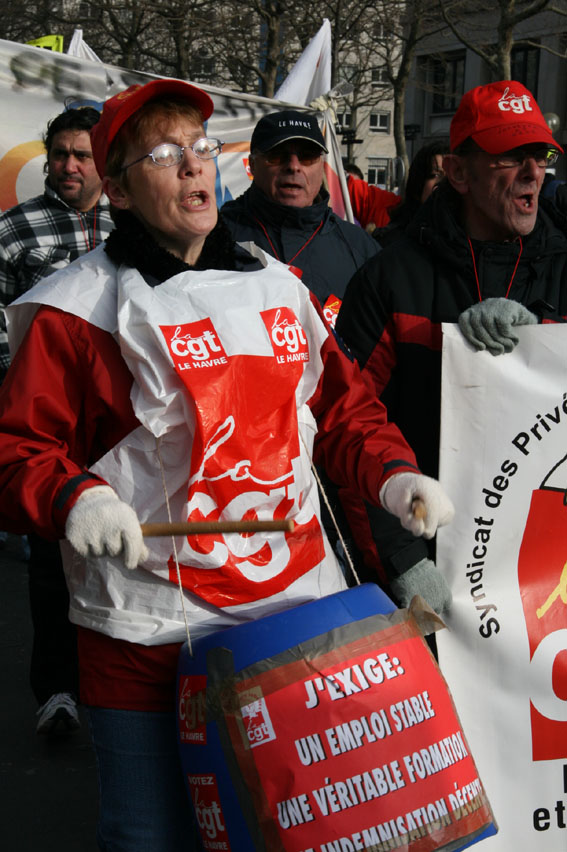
(399, 117)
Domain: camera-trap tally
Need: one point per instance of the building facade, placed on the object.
(444, 69)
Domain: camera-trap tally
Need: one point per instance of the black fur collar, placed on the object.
(129, 243)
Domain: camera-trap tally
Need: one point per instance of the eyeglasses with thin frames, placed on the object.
(544, 158)
(169, 154)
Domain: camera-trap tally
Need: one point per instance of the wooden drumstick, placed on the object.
(418, 508)
(200, 527)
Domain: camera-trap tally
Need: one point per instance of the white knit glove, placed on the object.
(398, 494)
(489, 324)
(425, 579)
(101, 524)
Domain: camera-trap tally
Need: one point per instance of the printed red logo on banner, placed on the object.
(258, 723)
(208, 811)
(286, 334)
(191, 702)
(194, 345)
(331, 310)
(542, 575)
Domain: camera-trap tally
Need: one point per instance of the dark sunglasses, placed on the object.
(306, 154)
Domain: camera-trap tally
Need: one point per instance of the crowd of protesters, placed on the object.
(123, 262)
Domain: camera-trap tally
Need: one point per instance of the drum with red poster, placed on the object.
(327, 727)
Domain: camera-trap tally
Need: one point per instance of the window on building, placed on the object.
(448, 82)
(378, 171)
(380, 122)
(344, 120)
(203, 66)
(380, 76)
(89, 12)
(525, 66)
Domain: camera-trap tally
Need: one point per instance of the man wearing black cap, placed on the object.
(484, 251)
(286, 210)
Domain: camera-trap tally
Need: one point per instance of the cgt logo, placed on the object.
(331, 310)
(288, 339)
(191, 704)
(513, 103)
(194, 345)
(208, 812)
(542, 576)
(257, 722)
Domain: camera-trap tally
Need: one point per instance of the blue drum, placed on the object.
(251, 698)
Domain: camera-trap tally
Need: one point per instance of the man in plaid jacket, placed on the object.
(38, 237)
(47, 232)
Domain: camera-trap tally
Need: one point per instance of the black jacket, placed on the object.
(393, 309)
(327, 250)
(327, 262)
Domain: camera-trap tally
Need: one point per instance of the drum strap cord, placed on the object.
(174, 545)
(331, 513)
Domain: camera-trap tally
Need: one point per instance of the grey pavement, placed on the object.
(48, 787)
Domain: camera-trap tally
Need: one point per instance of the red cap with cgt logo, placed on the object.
(118, 109)
(499, 117)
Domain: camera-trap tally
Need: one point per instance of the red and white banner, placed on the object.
(36, 85)
(347, 742)
(504, 463)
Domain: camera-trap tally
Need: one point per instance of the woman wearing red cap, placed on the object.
(170, 374)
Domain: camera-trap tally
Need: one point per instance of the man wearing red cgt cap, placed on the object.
(484, 251)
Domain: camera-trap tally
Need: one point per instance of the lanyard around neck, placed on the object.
(86, 231)
(305, 244)
(476, 272)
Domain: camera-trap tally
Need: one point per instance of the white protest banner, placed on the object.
(504, 463)
(36, 85)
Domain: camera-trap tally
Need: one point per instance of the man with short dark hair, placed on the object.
(286, 210)
(37, 237)
(47, 232)
(483, 251)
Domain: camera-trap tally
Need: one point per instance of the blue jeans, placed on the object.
(144, 806)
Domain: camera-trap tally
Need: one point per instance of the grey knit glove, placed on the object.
(489, 324)
(424, 579)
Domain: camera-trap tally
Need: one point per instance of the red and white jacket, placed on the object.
(222, 385)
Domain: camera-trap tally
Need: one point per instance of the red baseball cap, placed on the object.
(499, 117)
(117, 109)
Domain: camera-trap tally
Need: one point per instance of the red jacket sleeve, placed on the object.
(64, 403)
(355, 443)
(370, 204)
